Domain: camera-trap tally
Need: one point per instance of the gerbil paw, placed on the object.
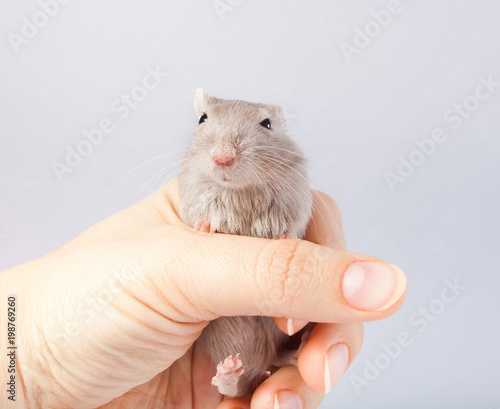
(203, 226)
(281, 237)
(228, 374)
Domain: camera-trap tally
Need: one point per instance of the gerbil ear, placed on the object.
(201, 100)
(280, 115)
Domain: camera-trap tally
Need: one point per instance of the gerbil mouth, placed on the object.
(229, 177)
(230, 181)
(222, 176)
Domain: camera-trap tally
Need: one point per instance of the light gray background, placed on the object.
(354, 120)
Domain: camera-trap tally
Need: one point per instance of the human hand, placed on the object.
(109, 320)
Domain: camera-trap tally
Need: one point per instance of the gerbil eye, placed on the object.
(266, 123)
(203, 118)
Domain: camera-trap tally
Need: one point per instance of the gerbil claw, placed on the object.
(281, 237)
(228, 374)
(203, 226)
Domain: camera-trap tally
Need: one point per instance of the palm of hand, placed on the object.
(186, 384)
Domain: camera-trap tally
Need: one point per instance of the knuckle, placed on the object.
(287, 270)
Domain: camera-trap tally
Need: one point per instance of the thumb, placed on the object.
(228, 275)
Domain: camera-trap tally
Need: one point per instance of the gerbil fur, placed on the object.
(263, 193)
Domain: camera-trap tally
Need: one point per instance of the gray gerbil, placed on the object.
(242, 174)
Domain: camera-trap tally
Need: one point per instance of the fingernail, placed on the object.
(373, 285)
(287, 400)
(293, 326)
(336, 362)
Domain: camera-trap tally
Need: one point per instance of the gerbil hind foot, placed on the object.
(281, 237)
(228, 374)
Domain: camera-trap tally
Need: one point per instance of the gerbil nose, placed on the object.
(223, 158)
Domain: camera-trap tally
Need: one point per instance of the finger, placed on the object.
(325, 227)
(328, 353)
(285, 389)
(290, 326)
(222, 275)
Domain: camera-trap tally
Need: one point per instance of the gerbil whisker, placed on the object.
(272, 153)
(282, 162)
(147, 143)
(278, 169)
(273, 148)
(271, 176)
(151, 181)
(163, 172)
(132, 173)
(168, 177)
(279, 180)
(302, 176)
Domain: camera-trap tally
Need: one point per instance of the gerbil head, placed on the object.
(239, 143)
